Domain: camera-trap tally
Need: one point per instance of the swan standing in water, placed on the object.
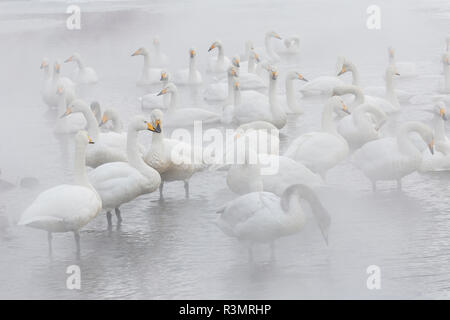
(324, 85)
(253, 106)
(189, 76)
(263, 217)
(109, 146)
(185, 117)
(440, 161)
(321, 151)
(393, 158)
(359, 128)
(152, 101)
(406, 69)
(149, 75)
(66, 208)
(171, 158)
(83, 74)
(291, 104)
(221, 63)
(121, 182)
(160, 59)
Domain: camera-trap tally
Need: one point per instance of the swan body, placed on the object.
(121, 182)
(159, 59)
(149, 74)
(186, 117)
(359, 127)
(250, 105)
(189, 76)
(51, 85)
(393, 158)
(405, 69)
(152, 101)
(249, 80)
(83, 74)
(321, 151)
(66, 208)
(263, 217)
(111, 146)
(221, 63)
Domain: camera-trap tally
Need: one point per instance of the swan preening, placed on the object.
(83, 74)
(263, 217)
(154, 101)
(66, 208)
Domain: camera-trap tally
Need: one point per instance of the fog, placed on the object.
(173, 249)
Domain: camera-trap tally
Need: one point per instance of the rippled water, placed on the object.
(174, 250)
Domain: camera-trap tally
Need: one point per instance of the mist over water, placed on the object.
(174, 250)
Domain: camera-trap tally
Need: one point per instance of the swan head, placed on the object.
(295, 75)
(300, 191)
(57, 66)
(446, 58)
(273, 34)
(45, 64)
(273, 72)
(155, 121)
(216, 44)
(232, 71)
(236, 85)
(140, 123)
(192, 53)
(391, 52)
(77, 105)
(168, 89)
(339, 105)
(392, 71)
(140, 52)
(344, 68)
(235, 61)
(108, 115)
(60, 90)
(440, 110)
(74, 57)
(254, 56)
(95, 108)
(82, 138)
(164, 76)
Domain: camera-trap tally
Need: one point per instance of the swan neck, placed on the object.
(80, 175)
(173, 99)
(355, 74)
(92, 124)
(439, 128)
(290, 95)
(328, 124)
(192, 69)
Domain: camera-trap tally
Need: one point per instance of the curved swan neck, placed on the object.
(404, 142)
(269, 49)
(146, 61)
(355, 73)
(221, 54)
(80, 175)
(79, 62)
(328, 124)
(92, 124)
(173, 99)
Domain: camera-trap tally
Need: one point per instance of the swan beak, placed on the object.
(236, 85)
(69, 59)
(163, 76)
(431, 147)
(397, 74)
(192, 53)
(44, 64)
(59, 90)
(57, 67)
(104, 120)
(257, 58)
(163, 91)
(212, 47)
(68, 111)
(137, 52)
(443, 115)
(343, 70)
(156, 128)
(90, 141)
(277, 37)
(233, 72)
(345, 109)
(236, 63)
(302, 78)
(274, 75)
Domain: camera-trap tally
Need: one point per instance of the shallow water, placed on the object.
(174, 250)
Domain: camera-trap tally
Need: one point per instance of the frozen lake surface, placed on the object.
(173, 249)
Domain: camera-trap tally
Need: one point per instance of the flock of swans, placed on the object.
(359, 124)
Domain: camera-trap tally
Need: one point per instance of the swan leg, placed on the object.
(77, 242)
(119, 217)
(186, 188)
(109, 218)
(50, 248)
(161, 186)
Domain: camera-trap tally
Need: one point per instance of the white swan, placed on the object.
(289, 99)
(253, 106)
(66, 208)
(73, 122)
(113, 116)
(359, 127)
(152, 101)
(185, 117)
(247, 49)
(446, 70)
(440, 161)
(109, 146)
(160, 59)
(47, 90)
(149, 75)
(291, 45)
(269, 53)
(321, 151)
(324, 85)
(220, 91)
(406, 69)
(221, 63)
(83, 74)
(66, 83)
(191, 75)
(121, 182)
(393, 158)
(266, 135)
(389, 92)
(173, 159)
(248, 80)
(263, 217)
